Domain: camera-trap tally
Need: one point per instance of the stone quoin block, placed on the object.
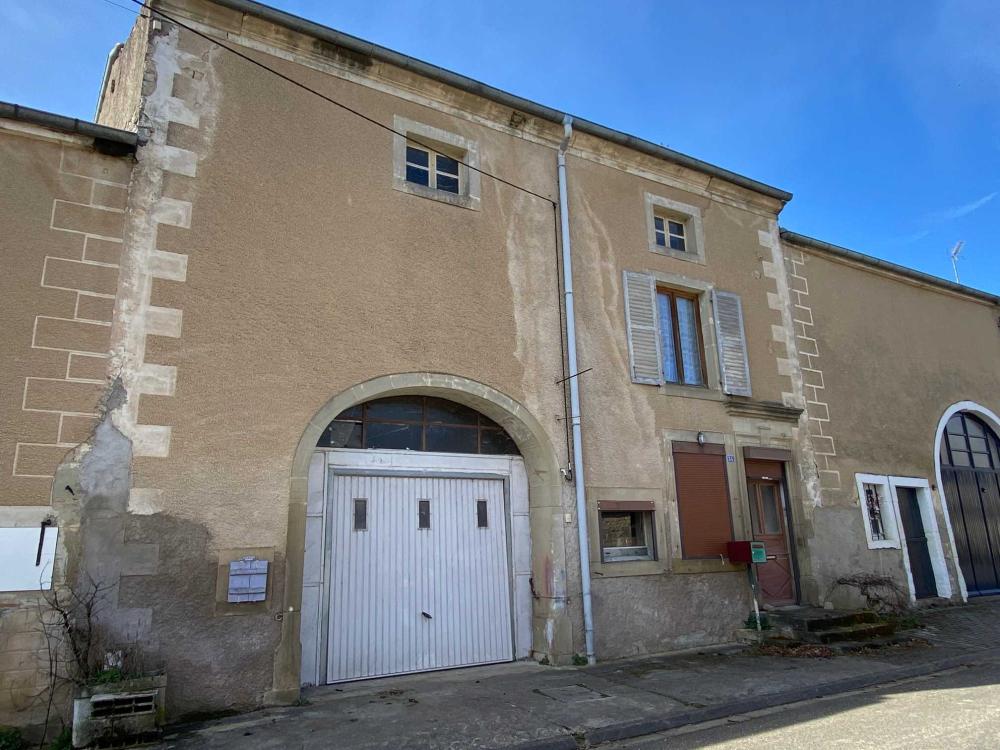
(73, 217)
(110, 196)
(38, 460)
(94, 165)
(76, 429)
(101, 309)
(71, 335)
(823, 446)
(102, 251)
(62, 395)
(73, 274)
(87, 367)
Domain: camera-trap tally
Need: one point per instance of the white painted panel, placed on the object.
(405, 599)
(312, 596)
(18, 550)
(317, 472)
(312, 564)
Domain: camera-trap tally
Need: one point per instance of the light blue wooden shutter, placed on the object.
(641, 327)
(731, 339)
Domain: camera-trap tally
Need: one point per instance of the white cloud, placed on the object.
(958, 212)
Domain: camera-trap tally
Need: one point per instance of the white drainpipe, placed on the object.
(112, 56)
(574, 395)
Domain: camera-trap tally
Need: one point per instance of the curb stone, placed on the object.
(631, 729)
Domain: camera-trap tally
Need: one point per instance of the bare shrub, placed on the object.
(881, 593)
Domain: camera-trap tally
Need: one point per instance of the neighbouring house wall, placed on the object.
(121, 99)
(61, 207)
(886, 358)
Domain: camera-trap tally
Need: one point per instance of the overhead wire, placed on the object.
(409, 137)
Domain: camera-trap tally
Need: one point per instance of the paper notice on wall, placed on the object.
(19, 555)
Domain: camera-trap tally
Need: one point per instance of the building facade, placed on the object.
(307, 405)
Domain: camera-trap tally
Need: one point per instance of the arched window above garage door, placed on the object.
(417, 423)
(969, 442)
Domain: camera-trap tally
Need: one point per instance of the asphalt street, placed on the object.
(956, 710)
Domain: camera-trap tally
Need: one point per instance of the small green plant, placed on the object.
(105, 676)
(579, 660)
(63, 740)
(11, 739)
(751, 622)
(544, 661)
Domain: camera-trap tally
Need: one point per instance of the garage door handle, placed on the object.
(426, 615)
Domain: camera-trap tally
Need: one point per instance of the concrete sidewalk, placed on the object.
(562, 708)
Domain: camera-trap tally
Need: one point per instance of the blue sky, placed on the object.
(882, 118)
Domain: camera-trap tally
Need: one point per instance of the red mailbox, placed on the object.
(739, 552)
(746, 552)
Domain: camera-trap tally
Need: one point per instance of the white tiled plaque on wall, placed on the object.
(19, 554)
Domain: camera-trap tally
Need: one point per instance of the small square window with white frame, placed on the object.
(674, 228)
(626, 535)
(669, 233)
(877, 511)
(432, 169)
(436, 164)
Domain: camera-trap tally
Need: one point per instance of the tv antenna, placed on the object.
(954, 256)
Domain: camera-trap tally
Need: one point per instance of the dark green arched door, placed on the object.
(970, 473)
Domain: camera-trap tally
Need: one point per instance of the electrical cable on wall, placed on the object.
(324, 97)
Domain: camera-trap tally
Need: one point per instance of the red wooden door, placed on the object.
(776, 578)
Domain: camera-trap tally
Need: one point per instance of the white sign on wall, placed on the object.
(18, 553)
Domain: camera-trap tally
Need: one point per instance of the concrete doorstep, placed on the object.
(531, 707)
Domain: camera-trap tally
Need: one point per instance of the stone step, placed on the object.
(857, 632)
(812, 620)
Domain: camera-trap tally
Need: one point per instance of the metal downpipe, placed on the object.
(574, 396)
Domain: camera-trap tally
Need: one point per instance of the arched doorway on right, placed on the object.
(969, 452)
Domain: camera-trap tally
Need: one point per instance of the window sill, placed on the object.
(887, 544)
(681, 566)
(678, 254)
(691, 391)
(625, 568)
(453, 199)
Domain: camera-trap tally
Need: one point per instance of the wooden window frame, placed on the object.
(667, 234)
(695, 298)
(432, 168)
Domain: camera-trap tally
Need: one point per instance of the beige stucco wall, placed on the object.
(61, 211)
(305, 273)
(628, 427)
(273, 272)
(893, 356)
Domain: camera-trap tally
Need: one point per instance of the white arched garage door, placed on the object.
(414, 561)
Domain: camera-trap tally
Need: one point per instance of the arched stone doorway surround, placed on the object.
(993, 421)
(552, 626)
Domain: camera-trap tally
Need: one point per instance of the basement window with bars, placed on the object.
(877, 511)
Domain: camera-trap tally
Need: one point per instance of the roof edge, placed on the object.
(885, 265)
(123, 140)
(456, 80)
